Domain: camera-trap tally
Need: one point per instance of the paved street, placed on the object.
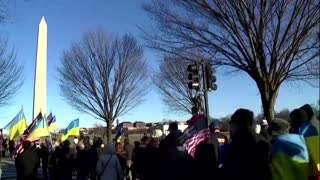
(9, 171)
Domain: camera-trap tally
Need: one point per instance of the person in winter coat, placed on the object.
(121, 155)
(206, 162)
(301, 125)
(140, 157)
(134, 160)
(93, 154)
(290, 156)
(27, 163)
(44, 155)
(66, 162)
(176, 161)
(11, 147)
(129, 150)
(153, 158)
(220, 142)
(81, 162)
(108, 166)
(249, 153)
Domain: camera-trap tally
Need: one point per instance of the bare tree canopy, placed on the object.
(104, 76)
(273, 41)
(10, 73)
(3, 10)
(172, 83)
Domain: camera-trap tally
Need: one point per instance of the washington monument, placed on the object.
(40, 78)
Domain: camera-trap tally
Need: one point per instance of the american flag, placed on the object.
(192, 143)
(196, 133)
(20, 147)
(196, 124)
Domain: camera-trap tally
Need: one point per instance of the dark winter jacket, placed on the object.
(248, 157)
(26, 164)
(82, 163)
(65, 166)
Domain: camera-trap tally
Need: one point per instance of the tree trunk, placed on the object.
(109, 131)
(268, 100)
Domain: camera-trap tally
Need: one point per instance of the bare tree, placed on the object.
(3, 10)
(10, 73)
(273, 41)
(104, 76)
(172, 83)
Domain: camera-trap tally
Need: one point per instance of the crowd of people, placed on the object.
(246, 154)
(8, 146)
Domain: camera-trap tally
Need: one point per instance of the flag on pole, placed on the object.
(17, 125)
(27, 132)
(52, 124)
(34, 122)
(72, 129)
(49, 117)
(40, 129)
(196, 133)
(118, 136)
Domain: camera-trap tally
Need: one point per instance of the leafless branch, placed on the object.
(104, 76)
(10, 73)
(273, 41)
(171, 81)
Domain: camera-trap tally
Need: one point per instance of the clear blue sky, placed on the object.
(67, 19)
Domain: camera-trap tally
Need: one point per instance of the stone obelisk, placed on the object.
(40, 78)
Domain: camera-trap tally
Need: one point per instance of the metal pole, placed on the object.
(205, 91)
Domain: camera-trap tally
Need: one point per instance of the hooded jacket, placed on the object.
(108, 166)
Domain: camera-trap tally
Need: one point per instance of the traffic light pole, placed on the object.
(205, 93)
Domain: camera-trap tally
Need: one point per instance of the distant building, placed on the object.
(139, 125)
(128, 125)
(149, 125)
(181, 126)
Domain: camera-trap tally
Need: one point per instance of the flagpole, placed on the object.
(49, 133)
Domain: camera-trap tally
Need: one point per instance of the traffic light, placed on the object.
(211, 78)
(197, 105)
(193, 77)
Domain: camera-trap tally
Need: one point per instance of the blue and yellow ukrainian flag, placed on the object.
(313, 143)
(17, 125)
(72, 129)
(118, 136)
(290, 158)
(40, 129)
(52, 123)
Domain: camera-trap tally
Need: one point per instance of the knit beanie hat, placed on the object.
(278, 126)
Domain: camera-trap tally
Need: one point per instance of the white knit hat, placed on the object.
(156, 133)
